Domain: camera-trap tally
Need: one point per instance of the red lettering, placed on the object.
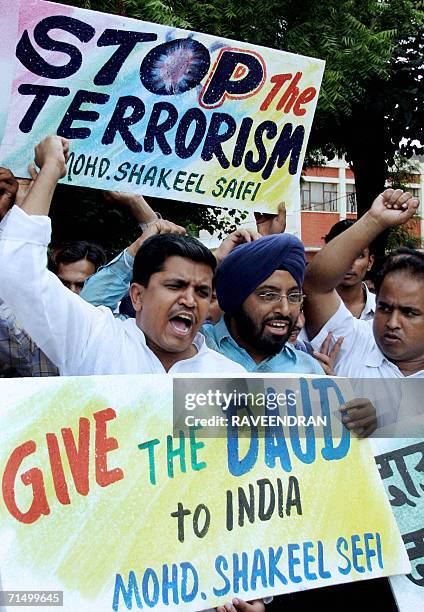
(58, 474)
(104, 445)
(290, 94)
(78, 455)
(279, 80)
(33, 477)
(292, 97)
(305, 97)
(78, 458)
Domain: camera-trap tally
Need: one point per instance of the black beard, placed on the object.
(265, 344)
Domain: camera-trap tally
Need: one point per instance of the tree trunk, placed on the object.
(367, 155)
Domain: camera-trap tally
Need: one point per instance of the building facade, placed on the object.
(328, 195)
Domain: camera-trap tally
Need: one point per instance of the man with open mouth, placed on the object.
(259, 288)
(171, 293)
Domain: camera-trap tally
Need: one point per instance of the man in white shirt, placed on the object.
(394, 346)
(171, 292)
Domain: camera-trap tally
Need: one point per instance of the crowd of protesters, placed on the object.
(183, 308)
(169, 304)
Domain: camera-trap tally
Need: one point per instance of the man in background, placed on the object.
(352, 289)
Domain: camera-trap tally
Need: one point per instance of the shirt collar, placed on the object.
(369, 308)
(199, 342)
(290, 350)
(222, 332)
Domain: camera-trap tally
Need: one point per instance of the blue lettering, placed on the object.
(187, 570)
(127, 593)
(258, 569)
(329, 452)
(222, 561)
(342, 543)
(293, 561)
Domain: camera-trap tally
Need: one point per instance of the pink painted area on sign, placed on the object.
(7, 50)
(34, 10)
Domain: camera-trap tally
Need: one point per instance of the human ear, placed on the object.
(136, 295)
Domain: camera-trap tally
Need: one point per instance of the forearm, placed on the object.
(39, 198)
(56, 319)
(331, 263)
(140, 210)
(110, 283)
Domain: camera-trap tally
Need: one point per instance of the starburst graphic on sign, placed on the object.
(175, 67)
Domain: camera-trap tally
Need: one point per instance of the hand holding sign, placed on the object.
(239, 236)
(161, 226)
(53, 153)
(360, 416)
(238, 605)
(272, 224)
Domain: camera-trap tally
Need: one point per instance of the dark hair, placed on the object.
(340, 227)
(402, 259)
(151, 255)
(69, 252)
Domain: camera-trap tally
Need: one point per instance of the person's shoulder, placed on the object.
(343, 323)
(225, 365)
(208, 330)
(307, 363)
(214, 331)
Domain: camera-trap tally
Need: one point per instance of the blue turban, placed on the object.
(249, 264)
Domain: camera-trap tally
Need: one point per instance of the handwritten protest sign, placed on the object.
(401, 466)
(157, 110)
(99, 501)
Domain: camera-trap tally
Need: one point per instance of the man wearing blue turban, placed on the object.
(259, 288)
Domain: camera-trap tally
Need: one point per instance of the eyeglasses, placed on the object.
(295, 297)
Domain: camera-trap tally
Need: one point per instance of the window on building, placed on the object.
(305, 194)
(319, 196)
(351, 206)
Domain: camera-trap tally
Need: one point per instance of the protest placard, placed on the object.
(156, 110)
(101, 502)
(401, 466)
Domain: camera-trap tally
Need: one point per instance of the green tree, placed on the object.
(401, 174)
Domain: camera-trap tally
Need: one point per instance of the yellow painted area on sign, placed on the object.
(127, 526)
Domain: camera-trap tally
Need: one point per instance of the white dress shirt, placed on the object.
(79, 338)
(359, 356)
(368, 312)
